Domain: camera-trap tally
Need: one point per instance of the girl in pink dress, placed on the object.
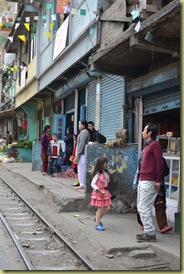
(100, 197)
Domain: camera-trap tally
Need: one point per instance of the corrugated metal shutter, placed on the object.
(91, 101)
(161, 103)
(112, 98)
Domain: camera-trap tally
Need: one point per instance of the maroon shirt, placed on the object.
(45, 139)
(152, 164)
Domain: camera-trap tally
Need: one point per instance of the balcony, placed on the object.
(128, 53)
(23, 12)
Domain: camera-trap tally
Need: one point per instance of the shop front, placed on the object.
(156, 99)
(168, 123)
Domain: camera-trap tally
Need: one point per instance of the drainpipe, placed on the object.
(98, 102)
(70, 22)
(20, 60)
(38, 47)
(62, 106)
(140, 126)
(86, 100)
(124, 105)
(136, 119)
(75, 110)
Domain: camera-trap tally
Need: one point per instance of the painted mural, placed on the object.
(122, 164)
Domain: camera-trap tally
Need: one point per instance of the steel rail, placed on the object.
(17, 243)
(83, 259)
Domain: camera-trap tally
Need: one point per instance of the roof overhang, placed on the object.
(131, 55)
(8, 113)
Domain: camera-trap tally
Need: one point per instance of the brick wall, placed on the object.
(111, 30)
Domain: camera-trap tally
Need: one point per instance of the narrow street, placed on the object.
(88, 86)
(106, 250)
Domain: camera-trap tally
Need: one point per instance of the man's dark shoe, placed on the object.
(146, 238)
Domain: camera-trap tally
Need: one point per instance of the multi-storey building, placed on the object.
(114, 62)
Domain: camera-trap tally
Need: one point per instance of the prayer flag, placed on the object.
(32, 35)
(73, 11)
(27, 26)
(22, 37)
(49, 6)
(11, 39)
(16, 25)
(82, 12)
(138, 26)
(91, 31)
(27, 19)
(148, 37)
(48, 34)
(34, 26)
(53, 17)
(51, 26)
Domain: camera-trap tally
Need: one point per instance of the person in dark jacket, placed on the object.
(69, 146)
(92, 131)
(8, 138)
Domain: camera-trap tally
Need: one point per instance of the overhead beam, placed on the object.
(135, 43)
(126, 71)
(117, 19)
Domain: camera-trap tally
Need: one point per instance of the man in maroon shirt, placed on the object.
(150, 177)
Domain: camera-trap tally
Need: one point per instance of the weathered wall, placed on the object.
(111, 30)
(36, 161)
(122, 165)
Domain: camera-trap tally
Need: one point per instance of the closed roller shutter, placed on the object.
(91, 101)
(161, 103)
(112, 98)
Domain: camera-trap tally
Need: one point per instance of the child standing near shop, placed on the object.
(54, 153)
(100, 197)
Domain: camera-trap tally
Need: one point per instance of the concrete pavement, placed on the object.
(120, 228)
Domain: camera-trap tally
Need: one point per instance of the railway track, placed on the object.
(40, 245)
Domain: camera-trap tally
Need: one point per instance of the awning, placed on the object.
(8, 113)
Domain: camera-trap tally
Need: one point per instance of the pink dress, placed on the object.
(97, 199)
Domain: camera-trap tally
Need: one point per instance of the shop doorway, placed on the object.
(70, 121)
(167, 121)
